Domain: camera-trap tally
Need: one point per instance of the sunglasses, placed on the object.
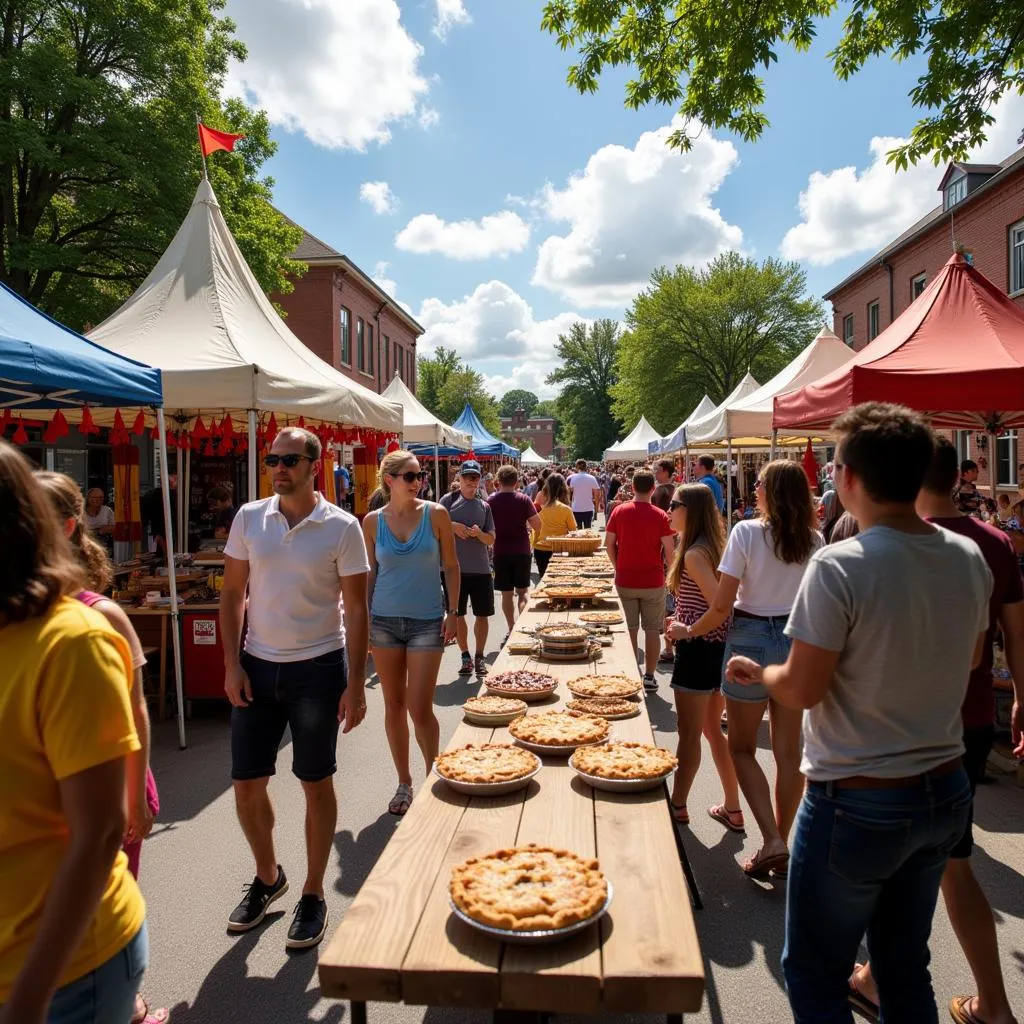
(291, 460)
(410, 476)
(673, 505)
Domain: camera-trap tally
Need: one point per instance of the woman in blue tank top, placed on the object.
(408, 540)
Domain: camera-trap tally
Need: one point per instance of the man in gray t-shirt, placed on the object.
(473, 526)
(885, 628)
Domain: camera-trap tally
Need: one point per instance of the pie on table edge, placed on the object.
(486, 762)
(624, 761)
(559, 728)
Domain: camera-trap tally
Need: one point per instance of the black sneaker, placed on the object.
(256, 901)
(466, 668)
(308, 924)
(650, 684)
(481, 666)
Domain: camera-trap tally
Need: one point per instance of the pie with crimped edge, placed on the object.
(604, 686)
(529, 888)
(626, 760)
(567, 593)
(559, 728)
(604, 706)
(491, 705)
(601, 617)
(521, 681)
(486, 762)
(562, 631)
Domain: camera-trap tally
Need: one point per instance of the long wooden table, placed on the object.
(399, 941)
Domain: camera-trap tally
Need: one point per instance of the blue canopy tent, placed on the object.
(484, 443)
(47, 366)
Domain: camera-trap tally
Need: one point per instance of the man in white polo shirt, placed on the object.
(587, 496)
(303, 561)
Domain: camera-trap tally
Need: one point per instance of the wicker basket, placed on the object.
(575, 545)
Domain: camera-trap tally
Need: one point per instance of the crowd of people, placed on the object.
(862, 623)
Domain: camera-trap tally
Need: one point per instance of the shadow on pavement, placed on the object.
(1001, 884)
(190, 780)
(358, 854)
(456, 693)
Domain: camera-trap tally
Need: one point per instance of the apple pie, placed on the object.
(624, 761)
(495, 706)
(488, 762)
(604, 707)
(559, 729)
(529, 888)
(604, 686)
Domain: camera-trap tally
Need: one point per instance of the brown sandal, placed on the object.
(732, 820)
(960, 1010)
(681, 814)
(762, 867)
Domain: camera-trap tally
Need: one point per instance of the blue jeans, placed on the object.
(868, 861)
(106, 995)
(412, 634)
(763, 641)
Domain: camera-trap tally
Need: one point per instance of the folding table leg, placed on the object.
(358, 1014)
(674, 1018)
(691, 882)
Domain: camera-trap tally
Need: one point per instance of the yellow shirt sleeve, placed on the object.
(85, 715)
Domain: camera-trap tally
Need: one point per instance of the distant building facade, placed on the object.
(538, 431)
(348, 320)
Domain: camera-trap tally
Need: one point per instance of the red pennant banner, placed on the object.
(139, 426)
(87, 426)
(20, 436)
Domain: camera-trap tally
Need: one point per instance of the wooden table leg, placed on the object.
(358, 1013)
(162, 691)
(691, 882)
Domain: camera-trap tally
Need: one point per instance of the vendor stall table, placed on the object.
(399, 941)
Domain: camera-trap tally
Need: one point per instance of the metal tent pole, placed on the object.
(165, 488)
(179, 519)
(775, 441)
(254, 492)
(728, 486)
(437, 475)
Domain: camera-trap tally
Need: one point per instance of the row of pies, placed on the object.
(524, 682)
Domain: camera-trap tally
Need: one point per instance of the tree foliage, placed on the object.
(694, 331)
(445, 384)
(706, 59)
(587, 375)
(99, 158)
(518, 398)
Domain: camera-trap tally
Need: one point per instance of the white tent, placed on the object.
(420, 426)
(531, 458)
(203, 320)
(634, 445)
(711, 427)
(677, 439)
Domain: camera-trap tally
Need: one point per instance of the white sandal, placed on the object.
(401, 801)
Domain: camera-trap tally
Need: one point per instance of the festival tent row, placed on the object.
(677, 439)
(713, 426)
(635, 445)
(484, 443)
(532, 458)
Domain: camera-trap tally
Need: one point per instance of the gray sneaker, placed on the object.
(650, 684)
(481, 666)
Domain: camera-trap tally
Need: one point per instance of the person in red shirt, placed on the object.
(640, 543)
(969, 910)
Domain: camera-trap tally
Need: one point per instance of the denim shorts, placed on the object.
(302, 695)
(107, 994)
(412, 634)
(761, 640)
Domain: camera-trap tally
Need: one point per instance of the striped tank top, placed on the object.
(691, 605)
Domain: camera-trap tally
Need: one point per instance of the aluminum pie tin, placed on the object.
(621, 785)
(560, 751)
(527, 695)
(489, 788)
(535, 938)
(477, 718)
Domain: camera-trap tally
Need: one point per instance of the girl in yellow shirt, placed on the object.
(556, 519)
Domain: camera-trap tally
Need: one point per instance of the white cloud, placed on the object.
(449, 14)
(631, 211)
(496, 235)
(850, 210)
(381, 279)
(428, 118)
(379, 195)
(310, 62)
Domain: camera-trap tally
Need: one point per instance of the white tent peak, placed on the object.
(202, 318)
(531, 458)
(634, 444)
(709, 428)
(421, 426)
(677, 438)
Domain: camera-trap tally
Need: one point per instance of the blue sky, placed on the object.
(436, 143)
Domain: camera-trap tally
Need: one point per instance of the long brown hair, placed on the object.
(703, 529)
(789, 511)
(556, 489)
(37, 567)
(67, 502)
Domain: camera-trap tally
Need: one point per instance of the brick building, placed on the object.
(538, 431)
(348, 320)
(981, 212)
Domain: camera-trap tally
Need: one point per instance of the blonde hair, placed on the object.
(389, 466)
(703, 529)
(67, 502)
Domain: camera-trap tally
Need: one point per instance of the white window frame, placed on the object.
(956, 191)
(918, 285)
(848, 330)
(1007, 442)
(1016, 242)
(876, 309)
(962, 440)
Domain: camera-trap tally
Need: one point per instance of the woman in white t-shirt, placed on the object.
(761, 571)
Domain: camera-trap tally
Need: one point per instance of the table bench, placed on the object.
(399, 941)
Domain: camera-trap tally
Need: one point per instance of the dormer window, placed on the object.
(956, 190)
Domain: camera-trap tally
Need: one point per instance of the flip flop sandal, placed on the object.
(401, 801)
(681, 814)
(762, 867)
(860, 1002)
(725, 817)
(960, 1010)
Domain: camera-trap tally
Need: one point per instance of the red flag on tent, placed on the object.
(811, 467)
(87, 426)
(20, 435)
(210, 140)
(139, 426)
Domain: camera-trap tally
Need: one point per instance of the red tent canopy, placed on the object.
(957, 354)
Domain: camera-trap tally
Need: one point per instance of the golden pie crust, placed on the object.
(529, 888)
(601, 617)
(624, 761)
(603, 706)
(559, 728)
(604, 686)
(568, 593)
(564, 631)
(487, 762)
(491, 705)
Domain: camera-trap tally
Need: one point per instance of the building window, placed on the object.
(917, 285)
(1017, 257)
(360, 344)
(872, 321)
(962, 440)
(412, 366)
(848, 329)
(370, 357)
(346, 336)
(1006, 460)
(400, 361)
(385, 351)
(955, 191)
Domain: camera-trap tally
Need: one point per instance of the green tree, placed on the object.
(518, 398)
(694, 331)
(432, 373)
(99, 158)
(445, 383)
(587, 375)
(705, 59)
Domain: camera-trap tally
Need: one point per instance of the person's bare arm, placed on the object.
(92, 803)
(719, 610)
(668, 548)
(450, 563)
(800, 683)
(597, 495)
(352, 709)
(535, 523)
(232, 613)
(1011, 618)
(611, 546)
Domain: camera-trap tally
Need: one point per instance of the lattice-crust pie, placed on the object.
(531, 888)
(603, 706)
(624, 761)
(494, 705)
(559, 728)
(604, 686)
(521, 680)
(488, 762)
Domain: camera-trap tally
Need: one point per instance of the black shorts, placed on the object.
(584, 520)
(512, 572)
(479, 589)
(977, 747)
(302, 695)
(698, 666)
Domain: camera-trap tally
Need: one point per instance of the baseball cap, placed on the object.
(470, 466)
